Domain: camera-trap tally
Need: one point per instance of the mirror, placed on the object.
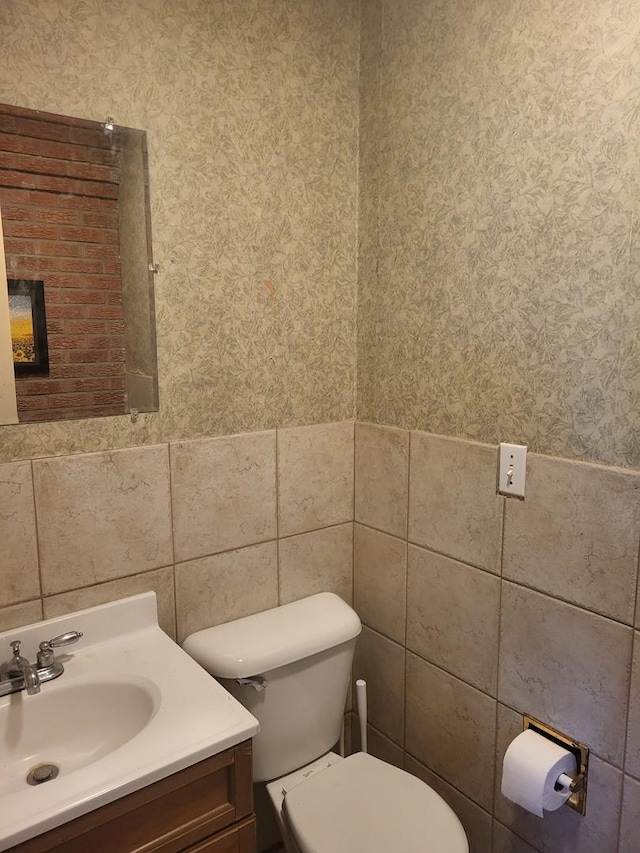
(76, 227)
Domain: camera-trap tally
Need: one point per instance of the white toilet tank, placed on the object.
(304, 651)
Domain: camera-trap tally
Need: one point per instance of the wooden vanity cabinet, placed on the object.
(206, 808)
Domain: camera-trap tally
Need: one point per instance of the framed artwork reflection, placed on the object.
(28, 327)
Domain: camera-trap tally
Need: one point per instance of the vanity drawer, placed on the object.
(241, 839)
(173, 815)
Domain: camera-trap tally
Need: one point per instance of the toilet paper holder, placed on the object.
(577, 784)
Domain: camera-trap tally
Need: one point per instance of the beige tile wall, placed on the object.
(219, 528)
(475, 608)
(479, 608)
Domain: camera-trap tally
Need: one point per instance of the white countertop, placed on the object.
(191, 717)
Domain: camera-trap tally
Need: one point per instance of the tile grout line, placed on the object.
(255, 543)
(499, 576)
(497, 681)
(37, 534)
(450, 784)
(628, 713)
(116, 579)
(353, 704)
(474, 687)
(406, 605)
(353, 517)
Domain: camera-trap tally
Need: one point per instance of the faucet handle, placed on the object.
(17, 659)
(62, 640)
(45, 655)
(17, 662)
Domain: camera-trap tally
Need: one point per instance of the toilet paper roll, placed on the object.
(530, 771)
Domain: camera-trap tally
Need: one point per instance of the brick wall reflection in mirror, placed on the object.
(60, 198)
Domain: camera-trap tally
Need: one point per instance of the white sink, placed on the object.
(71, 727)
(130, 708)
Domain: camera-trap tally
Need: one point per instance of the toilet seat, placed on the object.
(363, 804)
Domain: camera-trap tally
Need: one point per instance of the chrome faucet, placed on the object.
(19, 674)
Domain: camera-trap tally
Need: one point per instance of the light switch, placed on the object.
(512, 469)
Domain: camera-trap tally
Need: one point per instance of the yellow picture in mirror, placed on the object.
(28, 327)
(22, 337)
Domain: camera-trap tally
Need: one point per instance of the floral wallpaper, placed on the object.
(500, 249)
(481, 154)
(251, 110)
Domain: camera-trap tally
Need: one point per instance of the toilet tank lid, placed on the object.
(256, 644)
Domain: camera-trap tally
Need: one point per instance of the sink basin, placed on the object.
(130, 708)
(71, 727)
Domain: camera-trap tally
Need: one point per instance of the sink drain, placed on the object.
(42, 773)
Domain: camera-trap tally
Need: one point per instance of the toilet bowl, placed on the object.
(290, 666)
(363, 804)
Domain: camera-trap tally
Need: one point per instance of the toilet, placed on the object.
(291, 668)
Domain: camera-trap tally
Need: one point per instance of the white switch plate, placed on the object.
(512, 469)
